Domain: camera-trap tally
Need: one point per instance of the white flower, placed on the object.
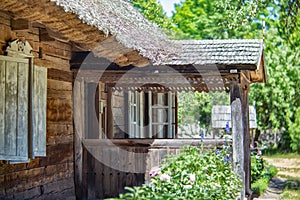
(187, 187)
(192, 178)
(154, 171)
(165, 177)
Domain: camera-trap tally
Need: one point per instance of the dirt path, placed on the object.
(287, 168)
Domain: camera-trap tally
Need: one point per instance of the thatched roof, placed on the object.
(243, 54)
(120, 19)
(100, 24)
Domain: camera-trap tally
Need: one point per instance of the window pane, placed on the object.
(160, 131)
(159, 115)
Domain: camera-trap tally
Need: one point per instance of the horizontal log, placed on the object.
(55, 190)
(62, 94)
(58, 45)
(6, 34)
(59, 85)
(66, 139)
(5, 18)
(51, 50)
(153, 143)
(29, 36)
(19, 182)
(59, 128)
(19, 24)
(59, 110)
(60, 75)
(59, 153)
(61, 64)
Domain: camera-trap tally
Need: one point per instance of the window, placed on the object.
(151, 114)
(22, 105)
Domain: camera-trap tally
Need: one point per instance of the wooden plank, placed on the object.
(99, 176)
(19, 24)
(170, 100)
(60, 75)
(106, 172)
(2, 107)
(237, 135)
(246, 116)
(11, 108)
(91, 184)
(59, 109)
(114, 165)
(149, 135)
(22, 111)
(39, 103)
(110, 120)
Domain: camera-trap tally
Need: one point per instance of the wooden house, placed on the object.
(88, 96)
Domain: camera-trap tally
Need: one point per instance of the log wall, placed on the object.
(51, 176)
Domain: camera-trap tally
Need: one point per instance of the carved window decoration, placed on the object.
(22, 104)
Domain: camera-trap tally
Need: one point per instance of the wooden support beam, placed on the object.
(19, 24)
(110, 119)
(241, 132)
(245, 86)
(78, 102)
(237, 134)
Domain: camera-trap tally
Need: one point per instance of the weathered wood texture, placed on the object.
(14, 77)
(50, 177)
(39, 100)
(245, 86)
(110, 165)
(237, 134)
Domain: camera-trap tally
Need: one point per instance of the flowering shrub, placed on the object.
(261, 172)
(257, 164)
(192, 174)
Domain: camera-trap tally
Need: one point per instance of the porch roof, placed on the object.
(242, 54)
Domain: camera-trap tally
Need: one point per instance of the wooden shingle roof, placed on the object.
(241, 54)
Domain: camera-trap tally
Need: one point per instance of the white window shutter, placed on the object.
(39, 107)
(14, 77)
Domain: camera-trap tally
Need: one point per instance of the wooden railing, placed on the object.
(110, 165)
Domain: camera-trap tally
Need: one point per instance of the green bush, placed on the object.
(261, 173)
(192, 174)
(260, 185)
(257, 166)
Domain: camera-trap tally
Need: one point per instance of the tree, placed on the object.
(154, 12)
(278, 101)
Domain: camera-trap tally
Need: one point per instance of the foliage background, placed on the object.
(277, 22)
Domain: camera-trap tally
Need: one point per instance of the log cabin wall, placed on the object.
(50, 176)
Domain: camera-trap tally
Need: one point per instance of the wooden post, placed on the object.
(237, 134)
(245, 112)
(110, 123)
(78, 107)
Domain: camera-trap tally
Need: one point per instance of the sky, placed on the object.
(168, 5)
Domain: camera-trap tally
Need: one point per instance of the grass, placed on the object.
(291, 189)
(290, 195)
(280, 155)
(262, 183)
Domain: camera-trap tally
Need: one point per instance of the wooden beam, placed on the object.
(110, 119)
(78, 128)
(245, 77)
(237, 134)
(19, 24)
(44, 35)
